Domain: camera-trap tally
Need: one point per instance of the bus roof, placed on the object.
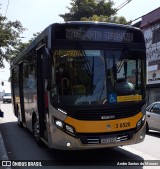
(98, 23)
(46, 32)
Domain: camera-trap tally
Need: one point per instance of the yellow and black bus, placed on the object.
(82, 85)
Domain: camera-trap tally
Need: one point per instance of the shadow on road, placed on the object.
(154, 133)
(100, 157)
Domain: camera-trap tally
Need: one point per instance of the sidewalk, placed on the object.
(3, 153)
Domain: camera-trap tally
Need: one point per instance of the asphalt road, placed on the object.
(20, 145)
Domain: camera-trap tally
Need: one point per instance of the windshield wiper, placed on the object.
(122, 58)
(86, 62)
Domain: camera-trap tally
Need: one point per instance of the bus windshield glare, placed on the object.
(87, 77)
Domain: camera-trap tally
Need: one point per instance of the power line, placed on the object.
(7, 8)
(131, 21)
(123, 4)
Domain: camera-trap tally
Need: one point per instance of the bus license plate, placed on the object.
(108, 140)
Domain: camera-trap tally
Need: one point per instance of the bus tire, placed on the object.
(20, 124)
(36, 131)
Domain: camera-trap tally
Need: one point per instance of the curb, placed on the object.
(3, 152)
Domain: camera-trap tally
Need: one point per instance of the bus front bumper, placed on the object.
(63, 141)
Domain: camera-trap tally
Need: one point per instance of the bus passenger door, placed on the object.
(42, 98)
(22, 112)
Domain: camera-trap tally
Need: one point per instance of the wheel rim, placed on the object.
(36, 131)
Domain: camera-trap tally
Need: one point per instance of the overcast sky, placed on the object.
(35, 15)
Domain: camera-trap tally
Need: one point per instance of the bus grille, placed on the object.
(103, 114)
(93, 140)
(97, 139)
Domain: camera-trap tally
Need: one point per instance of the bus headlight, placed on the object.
(65, 127)
(143, 118)
(59, 123)
(69, 129)
(141, 122)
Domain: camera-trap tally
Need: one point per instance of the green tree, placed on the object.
(101, 18)
(92, 10)
(17, 49)
(88, 8)
(21, 46)
(9, 38)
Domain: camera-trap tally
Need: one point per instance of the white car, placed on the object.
(7, 98)
(153, 117)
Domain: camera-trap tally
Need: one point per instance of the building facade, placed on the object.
(150, 25)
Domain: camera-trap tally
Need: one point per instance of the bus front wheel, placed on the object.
(19, 120)
(36, 131)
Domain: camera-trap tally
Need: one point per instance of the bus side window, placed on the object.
(63, 82)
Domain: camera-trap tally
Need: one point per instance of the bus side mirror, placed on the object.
(46, 65)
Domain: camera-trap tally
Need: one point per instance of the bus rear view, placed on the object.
(95, 94)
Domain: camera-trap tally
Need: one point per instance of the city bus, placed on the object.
(82, 85)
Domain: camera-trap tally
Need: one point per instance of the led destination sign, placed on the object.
(99, 34)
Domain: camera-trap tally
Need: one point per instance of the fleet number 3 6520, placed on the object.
(123, 125)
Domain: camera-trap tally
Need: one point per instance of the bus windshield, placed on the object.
(87, 77)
